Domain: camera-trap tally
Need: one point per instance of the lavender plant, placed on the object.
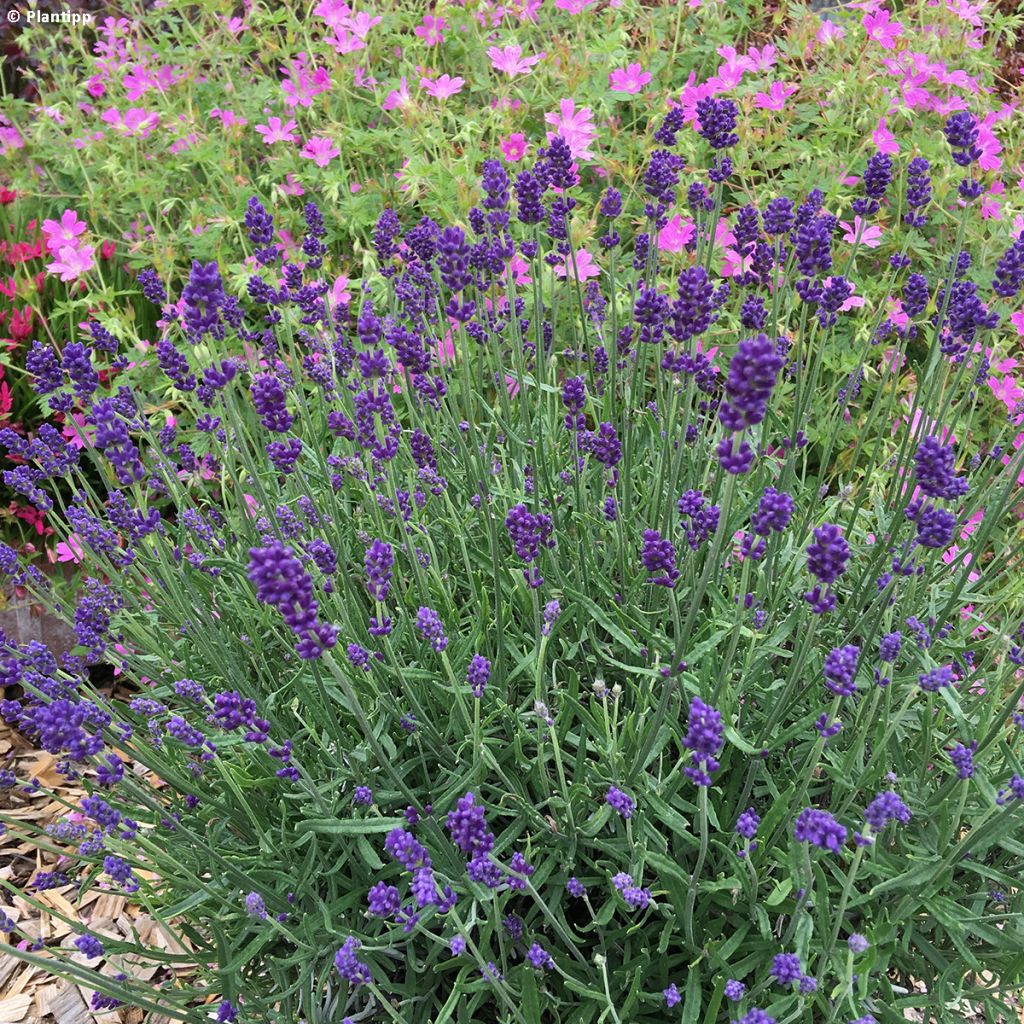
(504, 649)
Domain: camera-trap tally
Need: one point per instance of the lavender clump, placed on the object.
(446, 395)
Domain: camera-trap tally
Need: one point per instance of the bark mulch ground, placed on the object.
(29, 994)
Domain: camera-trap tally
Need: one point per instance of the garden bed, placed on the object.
(540, 488)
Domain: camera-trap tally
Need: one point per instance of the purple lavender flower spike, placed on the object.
(620, 802)
(349, 968)
(704, 737)
(820, 829)
(659, 559)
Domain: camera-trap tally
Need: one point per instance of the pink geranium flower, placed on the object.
(513, 148)
(511, 61)
(432, 30)
(829, 31)
(691, 95)
(135, 121)
(137, 82)
(71, 263)
(519, 270)
(65, 231)
(575, 126)
(989, 145)
(320, 150)
(573, 6)
(227, 117)
(71, 550)
(579, 265)
(359, 24)
(345, 41)
(761, 59)
(851, 302)
(443, 87)
(884, 139)
(399, 97)
(332, 11)
(735, 62)
(300, 86)
(881, 29)
(675, 234)
(776, 96)
(870, 234)
(339, 292)
(990, 208)
(276, 131)
(1007, 390)
(292, 186)
(629, 79)
(76, 430)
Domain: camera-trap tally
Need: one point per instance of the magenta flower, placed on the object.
(432, 30)
(776, 96)
(735, 62)
(989, 145)
(573, 6)
(511, 60)
(300, 86)
(884, 139)
(334, 12)
(870, 234)
(136, 121)
(63, 232)
(878, 26)
(513, 148)
(399, 97)
(292, 186)
(584, 268)
(320, 150)
(675, 234)
(345, 41)
(276, 131)
(829, 31)
(575, 126)
(360, 23)
(228, 117)
(691, 95)
(339, 291)
(443, 87)
(761, 59)
(630, 79)
(71, 263)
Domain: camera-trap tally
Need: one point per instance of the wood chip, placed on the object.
(68, 1006)
(14, 1009)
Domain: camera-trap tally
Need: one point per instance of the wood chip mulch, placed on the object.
(29, 994)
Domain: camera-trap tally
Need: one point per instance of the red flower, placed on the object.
(20, 326)
(32, 516)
